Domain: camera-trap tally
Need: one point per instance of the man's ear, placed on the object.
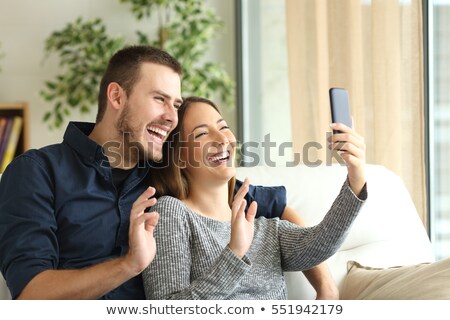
(115, 95)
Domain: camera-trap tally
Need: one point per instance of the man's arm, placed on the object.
(88, 283)
(319, 276)
(94, 282)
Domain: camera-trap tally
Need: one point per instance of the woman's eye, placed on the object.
(225, 127)
(198, 135)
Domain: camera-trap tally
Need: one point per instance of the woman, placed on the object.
(209, 249)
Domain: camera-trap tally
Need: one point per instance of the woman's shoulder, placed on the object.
(171, 205)
(169, 200)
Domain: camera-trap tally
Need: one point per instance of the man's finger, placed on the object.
(151, 220)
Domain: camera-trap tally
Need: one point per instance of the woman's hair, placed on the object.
(168, 177)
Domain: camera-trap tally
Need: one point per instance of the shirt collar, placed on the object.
(77, 137)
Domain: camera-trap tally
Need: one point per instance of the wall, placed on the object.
(25, 24)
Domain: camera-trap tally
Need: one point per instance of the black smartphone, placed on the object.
(340, 107)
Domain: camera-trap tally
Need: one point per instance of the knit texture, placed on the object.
(193, 260)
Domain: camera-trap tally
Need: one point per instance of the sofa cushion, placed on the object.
(424, 281)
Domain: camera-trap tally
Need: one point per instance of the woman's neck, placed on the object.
(210, 201)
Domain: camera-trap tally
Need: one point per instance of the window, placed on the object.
(265, 88)
(264, 95)
(439, 124)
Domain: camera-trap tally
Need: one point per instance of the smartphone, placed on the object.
(340, 107)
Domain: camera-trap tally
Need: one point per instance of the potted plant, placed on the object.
(185, 29)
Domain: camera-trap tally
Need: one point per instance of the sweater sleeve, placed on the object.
(304, 248)
(169, 275)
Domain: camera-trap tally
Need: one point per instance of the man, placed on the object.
(72, 215)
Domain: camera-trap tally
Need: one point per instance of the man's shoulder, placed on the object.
(44, 158)
(43, 153)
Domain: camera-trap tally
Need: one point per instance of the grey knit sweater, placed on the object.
(193, 260)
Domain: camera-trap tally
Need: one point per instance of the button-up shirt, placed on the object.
(59, 209)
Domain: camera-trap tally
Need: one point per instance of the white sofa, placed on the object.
(387, 232)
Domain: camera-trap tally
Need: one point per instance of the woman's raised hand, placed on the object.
(242, 225)
(352, 148)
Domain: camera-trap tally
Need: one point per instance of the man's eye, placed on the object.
(160, 99)
(225, 127)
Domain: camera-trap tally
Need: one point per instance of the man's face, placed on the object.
(150, 112)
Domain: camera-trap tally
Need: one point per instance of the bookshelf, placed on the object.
(17, 109)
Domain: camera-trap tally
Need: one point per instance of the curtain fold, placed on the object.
(374, 49)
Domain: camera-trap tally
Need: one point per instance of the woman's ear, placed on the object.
(115, 95)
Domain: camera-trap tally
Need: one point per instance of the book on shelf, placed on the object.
(3, 121)
(5, 137)
(11, 140)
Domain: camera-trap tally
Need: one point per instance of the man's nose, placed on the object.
(170, 114)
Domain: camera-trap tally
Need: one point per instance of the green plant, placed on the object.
(185, 30)
(83, 49)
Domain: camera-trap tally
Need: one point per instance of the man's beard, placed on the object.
(133, 150)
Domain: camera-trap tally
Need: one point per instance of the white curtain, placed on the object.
(374, 49)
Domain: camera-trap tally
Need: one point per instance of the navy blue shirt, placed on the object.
(59, 209)
(272, 199)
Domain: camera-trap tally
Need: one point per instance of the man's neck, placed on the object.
(113, 146)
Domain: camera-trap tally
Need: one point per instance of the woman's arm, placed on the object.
(169, 275)
(319, 277)
(304, 248)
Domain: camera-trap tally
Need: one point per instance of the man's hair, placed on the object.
(124, 68)
(169, 179)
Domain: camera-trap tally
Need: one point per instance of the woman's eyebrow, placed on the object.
(205, 125)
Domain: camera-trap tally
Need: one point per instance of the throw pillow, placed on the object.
(427, 281)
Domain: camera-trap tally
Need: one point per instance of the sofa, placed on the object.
(388, 231)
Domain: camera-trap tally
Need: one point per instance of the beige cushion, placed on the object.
(428, 281)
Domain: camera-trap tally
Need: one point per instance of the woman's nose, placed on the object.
(221, 138)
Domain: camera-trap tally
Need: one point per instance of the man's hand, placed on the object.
(142, 245)
(242, 225)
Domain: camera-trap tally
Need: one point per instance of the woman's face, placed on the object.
(208, 145)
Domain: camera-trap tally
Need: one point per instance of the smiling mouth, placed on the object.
(157, 132)
(221, 157)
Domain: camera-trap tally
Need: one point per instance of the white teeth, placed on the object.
(219, 157)
(158, 131)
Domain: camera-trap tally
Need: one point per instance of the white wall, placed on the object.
(24, 26)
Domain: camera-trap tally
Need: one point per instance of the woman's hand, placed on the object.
(352, 149)
(242, 225)
(142, 245)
